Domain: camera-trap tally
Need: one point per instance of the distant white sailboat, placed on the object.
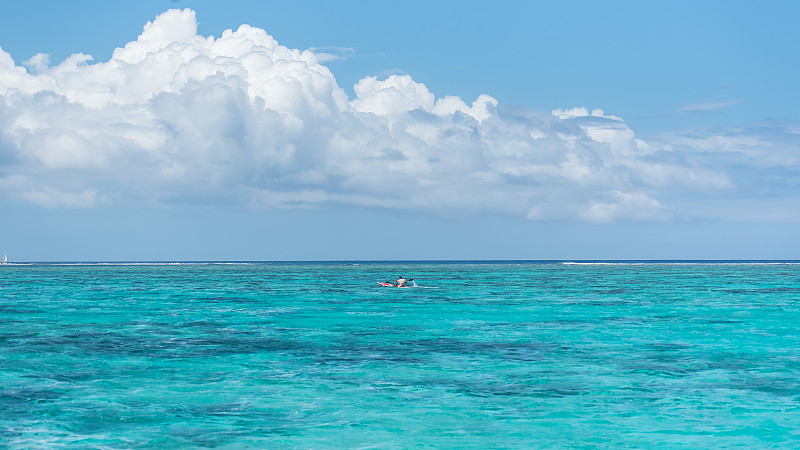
(5, 258)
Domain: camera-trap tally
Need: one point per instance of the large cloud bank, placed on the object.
(175, 117)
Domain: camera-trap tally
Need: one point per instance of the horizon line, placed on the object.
(380, 261)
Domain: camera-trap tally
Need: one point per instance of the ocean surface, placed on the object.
(480, 355)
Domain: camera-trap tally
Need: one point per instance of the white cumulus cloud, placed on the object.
(175, 117)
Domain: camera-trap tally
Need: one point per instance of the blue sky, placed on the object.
(451, 130)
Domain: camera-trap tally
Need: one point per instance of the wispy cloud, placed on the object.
(332, 53)
(707, 106)
(175, 117)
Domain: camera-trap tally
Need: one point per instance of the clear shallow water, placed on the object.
(480, 356)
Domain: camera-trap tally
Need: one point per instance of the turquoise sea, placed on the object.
(480, 355)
